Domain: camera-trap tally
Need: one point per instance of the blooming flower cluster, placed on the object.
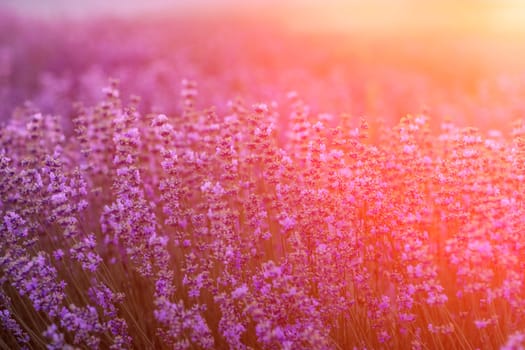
(227, 224)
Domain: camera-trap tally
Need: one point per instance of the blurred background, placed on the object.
(410, 17)
(462, 59)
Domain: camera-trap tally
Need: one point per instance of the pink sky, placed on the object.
(342, 15)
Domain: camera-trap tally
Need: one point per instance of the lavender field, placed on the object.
(225, 184)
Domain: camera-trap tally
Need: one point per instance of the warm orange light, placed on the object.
(408, 17)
